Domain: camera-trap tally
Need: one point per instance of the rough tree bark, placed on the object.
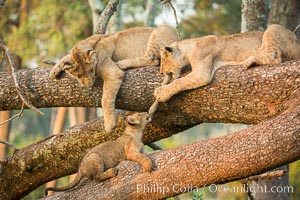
(57, 129)
(109, 10)
(285, 13)
(254, 15)
(235, 95)
(213, 161)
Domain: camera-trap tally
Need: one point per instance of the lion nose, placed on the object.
(148, 118)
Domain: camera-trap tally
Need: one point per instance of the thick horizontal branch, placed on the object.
(245, 153)
(235, 95)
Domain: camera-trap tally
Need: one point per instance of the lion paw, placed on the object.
(147, 166)
(109, 126)
(249, 62)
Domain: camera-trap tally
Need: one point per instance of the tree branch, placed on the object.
(103, 20)
(60, 155)
(242, 154)
(235, 95)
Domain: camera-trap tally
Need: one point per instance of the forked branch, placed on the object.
(103, 20)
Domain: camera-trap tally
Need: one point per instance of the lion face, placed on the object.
(171, 62)
(81, 65)
(138, 120)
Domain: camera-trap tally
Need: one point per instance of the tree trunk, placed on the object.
(285, 13)
(254, 15)
(116, 22)
(103, 20)
(235, 95)
(24, 11)
(96, 8)
(277, 187)
(152, 9)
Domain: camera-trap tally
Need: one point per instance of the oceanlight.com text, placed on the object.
(213, 188)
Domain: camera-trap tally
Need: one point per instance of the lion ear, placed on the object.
(67, 66)
(89, 54)
(169, 49)
(164, 52)
(132, 120)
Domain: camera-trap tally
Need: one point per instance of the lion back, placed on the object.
(142, 41)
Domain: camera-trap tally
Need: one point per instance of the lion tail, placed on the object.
(75, 182)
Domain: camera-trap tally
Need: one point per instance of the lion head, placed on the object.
(138, 120)
(171, 62)
(80, 63)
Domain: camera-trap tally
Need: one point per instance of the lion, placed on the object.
(207, 54)
(100, 162)
(105, 56)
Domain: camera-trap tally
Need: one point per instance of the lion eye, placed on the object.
(68, 63)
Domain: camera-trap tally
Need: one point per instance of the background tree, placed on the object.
(254, 17)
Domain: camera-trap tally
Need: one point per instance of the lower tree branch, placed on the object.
(60, 155)
(219, 160)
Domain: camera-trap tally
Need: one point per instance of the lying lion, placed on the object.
(104, 55)
(100, 162)
(207, 54)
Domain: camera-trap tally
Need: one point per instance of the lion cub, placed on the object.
(100, 162)
(207, 54)
(105, 55)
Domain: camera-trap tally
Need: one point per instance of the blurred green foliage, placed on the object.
(212, 17)
(46, 29)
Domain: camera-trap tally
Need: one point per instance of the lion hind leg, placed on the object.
(150, 57)
(159, 38)
(273, 57)
(137, 62)
(270, 51)
(101, 176)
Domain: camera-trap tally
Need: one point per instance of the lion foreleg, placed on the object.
(201, 75)
(142, 159)
(112, 78)
(58, 67)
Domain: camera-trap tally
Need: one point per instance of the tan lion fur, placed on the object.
(100, 162)
(104, 55)
(207, 54)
